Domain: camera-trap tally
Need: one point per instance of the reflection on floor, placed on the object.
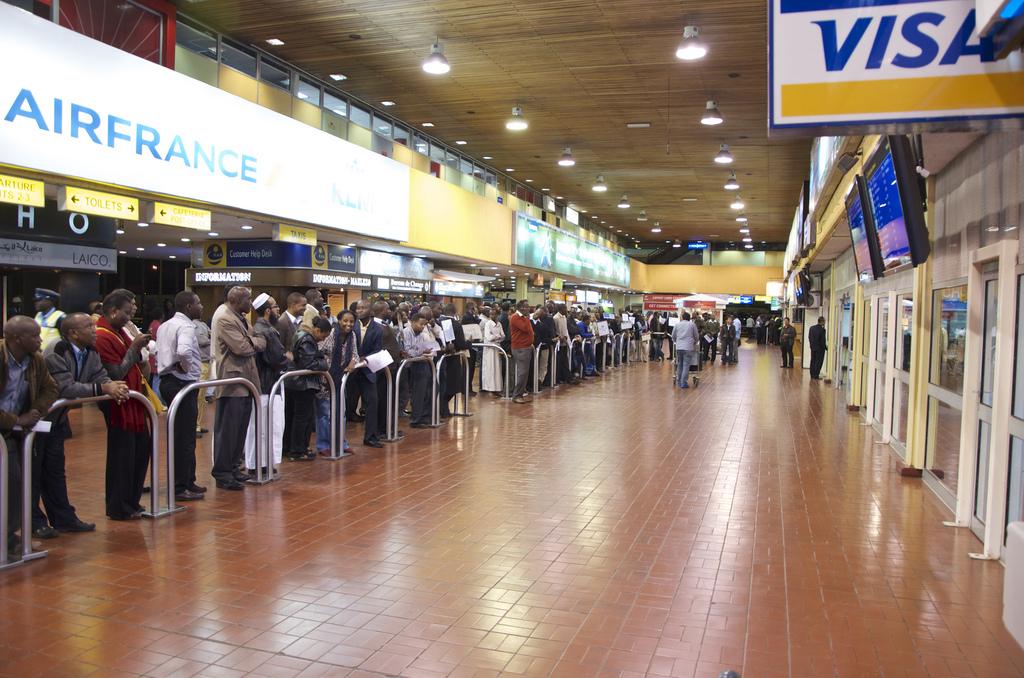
(620, 528)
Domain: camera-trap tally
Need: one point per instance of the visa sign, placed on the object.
(861, 64)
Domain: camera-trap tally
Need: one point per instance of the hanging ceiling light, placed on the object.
(517, 123)
(624, 201)
(744, 230)
(677, 244)
(732, 184)
(738, 203)
(599, 185)
(436, 63)
(567, 160)
(742, 218)
(657, 227)
(643, 216)
(712, 116)
(748, 239)
(724, 157)
(691, 48)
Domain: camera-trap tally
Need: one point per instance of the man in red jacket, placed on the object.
(522, 348)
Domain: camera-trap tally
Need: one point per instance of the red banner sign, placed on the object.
(660, 302)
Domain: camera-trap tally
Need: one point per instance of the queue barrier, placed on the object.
(577, 340)
(391, 434)
(263, 451)
(508, 367)
(27, 553)
(434, 423)
(464, 359)
(552, 366)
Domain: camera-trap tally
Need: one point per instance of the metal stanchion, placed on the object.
(508, 367)
(536, 370)
(466, 387)
(264, 451)
(398, 388)
(4, 474)
(390, 433)
(464, 359)
(553, 366)
(577, 340)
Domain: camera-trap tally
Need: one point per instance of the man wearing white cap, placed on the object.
(48, 316)
(271, 362)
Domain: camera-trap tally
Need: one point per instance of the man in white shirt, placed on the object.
(179, 365)
(737, 325)
(685, 338)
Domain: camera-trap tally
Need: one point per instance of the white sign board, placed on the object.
(77, 107)
(860, 64)
(41, 254)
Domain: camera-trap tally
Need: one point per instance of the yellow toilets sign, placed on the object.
(903, 64)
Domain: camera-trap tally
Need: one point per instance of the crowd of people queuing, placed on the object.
(103, 353)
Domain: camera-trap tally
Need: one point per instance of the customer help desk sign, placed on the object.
(856, 64)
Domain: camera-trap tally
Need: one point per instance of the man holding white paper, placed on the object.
(369, 341)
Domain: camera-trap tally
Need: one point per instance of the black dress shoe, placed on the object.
(198, 489)
(419, 425)
(45, 532)
(229, 485)
(242, 477)
(188, 495)
(77, 526)
(372, 442)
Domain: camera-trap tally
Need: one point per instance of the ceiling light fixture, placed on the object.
(143, 224)
(724, 157)
(338, 77)
(517, 123)
(461, 142)
(120, 231)
(389, 104)
(140, 249)
(712, 116)
(742, 218)
(732, 184)
(436, 63)
(624, 202)
(566, 160)
(677, 244)
(427, 124)
(748, 239)
(738, 203)
(749, 247)
(186, 240)
(350, 244)
(161, 244)
(744, 230)
(643, 216)
(488, 157)
(212, 234)
(122, 252)
(599, 185)
(657, 227)
(509, 169)
(691, 48)
(246, 227)
(276, 42)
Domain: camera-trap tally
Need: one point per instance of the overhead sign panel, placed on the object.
(295, 234)
(77, 107)
(42, 254)
(22, 191)
(72, 199)
(904, 64)
(542, 246)
(181, 216)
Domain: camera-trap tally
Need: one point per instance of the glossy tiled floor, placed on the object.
(616, 529)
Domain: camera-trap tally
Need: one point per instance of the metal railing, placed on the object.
(398, 388)
(27, 553)
(508, 367)
(583, 367)
(552, 353)
(464, 359)
(263, 452)
(390, 432)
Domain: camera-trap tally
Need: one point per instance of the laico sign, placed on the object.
(856, 65)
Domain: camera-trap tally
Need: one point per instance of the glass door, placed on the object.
(1015, 479)
(990, 326)
(901, 380)
(865, 362)
(846, 348)
(879, 362)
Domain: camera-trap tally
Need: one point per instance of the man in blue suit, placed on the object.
(369, 340)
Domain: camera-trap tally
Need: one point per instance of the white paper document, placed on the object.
(672, 322)
(42, 426)
(378, 361)
(448, 329)
(602, 328)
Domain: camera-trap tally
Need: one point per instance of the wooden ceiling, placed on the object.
(581, 69)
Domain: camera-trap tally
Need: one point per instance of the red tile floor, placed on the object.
(621, 528)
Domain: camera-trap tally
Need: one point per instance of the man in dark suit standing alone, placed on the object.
(369, 340)
(816, 339)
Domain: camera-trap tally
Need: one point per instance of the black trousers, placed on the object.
(184, 430)
(562, 365)
(817, 360)
(127, 462)
(420, 392)
(304, 423)
(50, 483)
(229, 428)
(787, 354)
(13, 489)
(367, 390)
(289, 415)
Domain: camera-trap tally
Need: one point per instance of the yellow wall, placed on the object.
(671, 278)
(444, 218)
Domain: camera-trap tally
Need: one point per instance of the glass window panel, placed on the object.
(981, 482)
(196, 40)
(420, 144)
(905, 320)
(381, 126)
(238, 57)
(335, 103)
(879, 395)
(437, 153)
(899, 426)
(359, 116)
(882, 352)
(988, 335)
(275, 73)
(1015, 486)
(465, 166)
(1018, 379)
(949, 332)
(452, 160)
(942, 448)
(491, 178)
(308, 91)
(401, 135)
(382, 145)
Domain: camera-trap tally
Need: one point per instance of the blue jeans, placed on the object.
(685, 359)
(323, 424)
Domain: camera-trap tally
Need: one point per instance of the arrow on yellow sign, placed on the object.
(72, 199)
(181, 216)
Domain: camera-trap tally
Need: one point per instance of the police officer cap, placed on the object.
(42, 294)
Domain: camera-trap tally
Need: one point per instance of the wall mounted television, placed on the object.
(895, 199)
(866, 256)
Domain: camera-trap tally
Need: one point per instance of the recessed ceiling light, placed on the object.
(712, 116)
(511, 270)
(143, 224)
(487, 157)
(517, 123)
(689, 199)
(161, 244)
(172, 256)
(529, 181)
(186, 240)
(120, 231)
(427, 124)
(510, 169)
(140, 249)
(638, 125)
(338, 76)
(691, 48)
(461, 142)
(472, 265)
(545, 189)
(350, 244)
(494, 268)
(558, 197)
(749, 247)
(121, 252)
(436, 63)
(276, 42)
(655, 230)
(387, 103)
(246, 227)
(212, 234)
(567, 160)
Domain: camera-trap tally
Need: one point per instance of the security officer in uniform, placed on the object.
(711, 329)
(48, 316)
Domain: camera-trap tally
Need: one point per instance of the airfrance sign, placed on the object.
(77, 107)
(863, 64)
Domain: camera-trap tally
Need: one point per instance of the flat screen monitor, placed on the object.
(896, 205)
(862, 232)
(807, 236)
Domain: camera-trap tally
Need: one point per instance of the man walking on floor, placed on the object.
(816, 340)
